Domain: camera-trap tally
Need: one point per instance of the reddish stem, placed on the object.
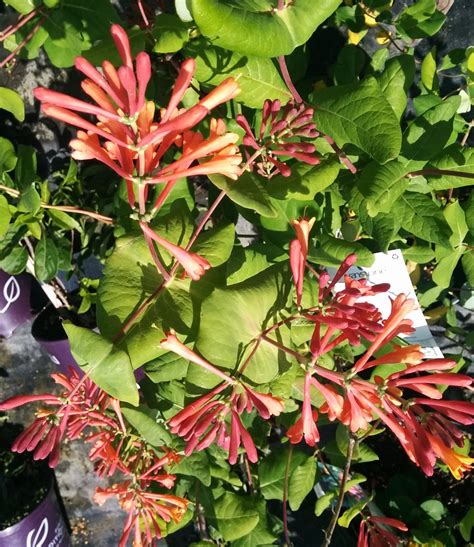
(23, 43)
(15, 28)
(287, 78)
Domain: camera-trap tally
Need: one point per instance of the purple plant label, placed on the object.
(11, 293)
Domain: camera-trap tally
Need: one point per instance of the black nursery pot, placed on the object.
(20, 298)
(30, 511)
(44, 526)
(48, 331)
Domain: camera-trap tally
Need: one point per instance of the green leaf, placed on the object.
(12, 102)
(235, 516)
(455, 159)
(130, 278)
(143, 419)
(46, 259)
(445, 268)
(268, 32)
(215, 244)
(349, 64)
(429, 76)
(244, 311)
(466, 524)
(107, 367)
(324, 502)
(456, 218)
(247, 191)
(468, 267)
(420, 20)
(15, 261)
(258, 77)
(249, 261)
(434, 508)
(333, 251)
(381, 185)
(346, 518)
(301, 483)
(395, 81)
(420, 216)
(7, 156)
(25, 169)
(195, 465)
(75, 26)
(359, 114)
(30, 201)
(5, 215)
(63, 220)
(170, 33)
(431, 131)
(305, 180)
(167, 367)
(272, 470)
(22, 6)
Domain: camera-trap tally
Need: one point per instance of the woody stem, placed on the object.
(337, 510)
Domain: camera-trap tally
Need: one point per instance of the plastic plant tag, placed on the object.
(390, 268)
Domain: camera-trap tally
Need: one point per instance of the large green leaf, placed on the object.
(455, 159)
(257, 28)
(215, 244)
(46, 259)
(272, 470)
(75, 26)
(170, 33)
(420, 20)
(421, 217)
(431, 131)
(12, 102)
(381, 185)
(305, 180)
(143, 419)
(301, 482)
(195, 465)
(108, 368)
(248, 192)
(359, 114)
(235, 515)
(258, 77)
(332, 251)
(7, 156)
(243, 311)
(5, 215)
(395, 81)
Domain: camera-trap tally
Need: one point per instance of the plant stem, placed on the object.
(281, 347)
(337, 510)
(288, 80)
(14, 28)
(342, 156)
(285, 497)
(27, 38)
(447, 172)
(204, 219)
(66, 208)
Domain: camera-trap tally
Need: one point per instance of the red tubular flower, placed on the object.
(194, 265)
(282, 134)
(306, 425)
(373, 532)
(144, 508)
(299, 253)
(79, 404)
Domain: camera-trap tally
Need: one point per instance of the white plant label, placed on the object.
(390, 268)
(11, 293)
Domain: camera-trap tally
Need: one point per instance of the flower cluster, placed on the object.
(215, 417)
(427, 427)
(127, 137)
(284, 133)
(85, 410)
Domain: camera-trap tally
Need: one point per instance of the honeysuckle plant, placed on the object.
(258, 377)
